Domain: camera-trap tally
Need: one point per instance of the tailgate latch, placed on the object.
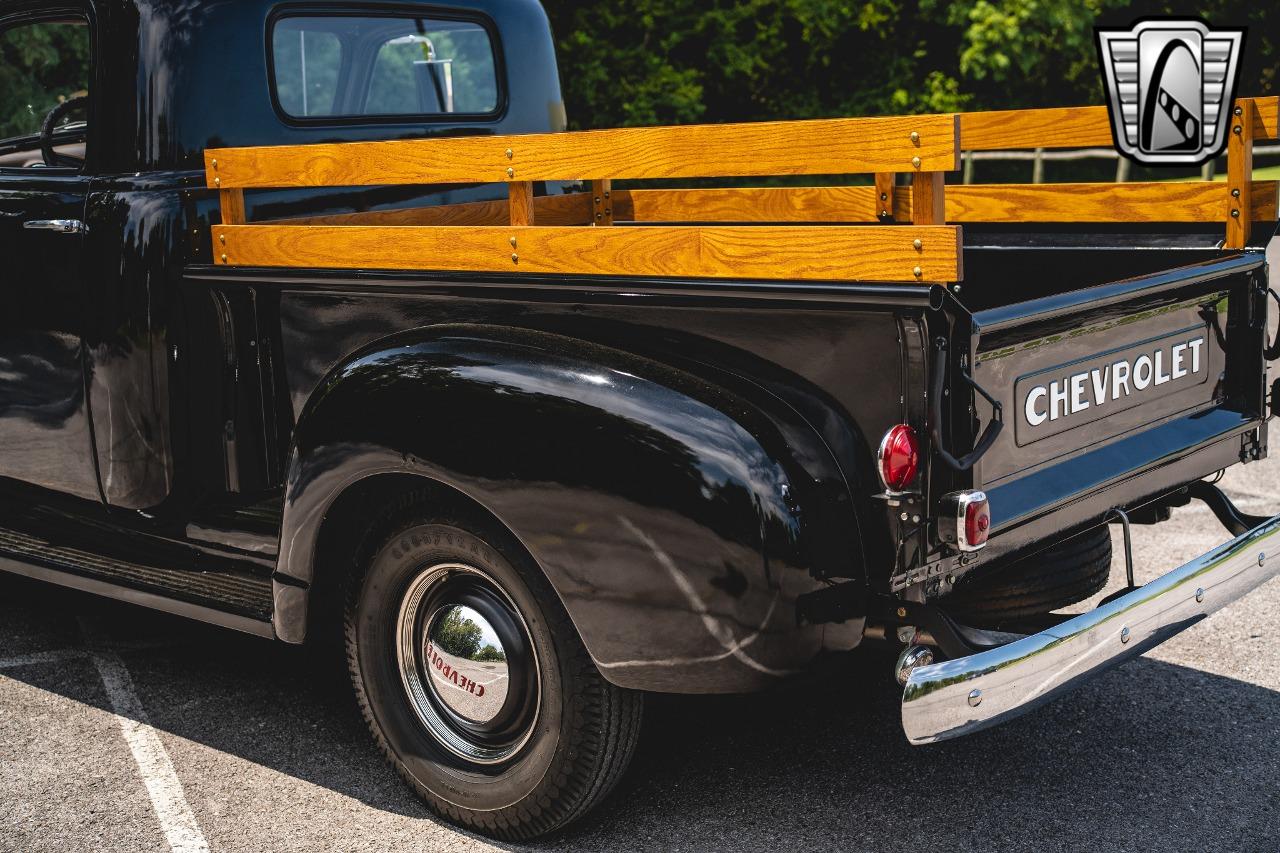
(989, 435)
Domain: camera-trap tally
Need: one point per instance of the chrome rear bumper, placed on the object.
(965, 695)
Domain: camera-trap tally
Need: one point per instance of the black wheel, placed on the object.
(1031, 585)
(474, 681)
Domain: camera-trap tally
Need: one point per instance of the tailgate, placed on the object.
(1115, 393)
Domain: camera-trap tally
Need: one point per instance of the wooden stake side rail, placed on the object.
(793, 252)
(545, 234)
(908, 144)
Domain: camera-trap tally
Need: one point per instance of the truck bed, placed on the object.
(997, 287)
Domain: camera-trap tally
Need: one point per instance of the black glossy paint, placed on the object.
(636, 487)
(682, 458)
(44, 412)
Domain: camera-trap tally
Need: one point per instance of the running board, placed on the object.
(239, 596)
(150, 600)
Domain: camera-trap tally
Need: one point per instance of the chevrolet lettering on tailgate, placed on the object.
(1071, 395)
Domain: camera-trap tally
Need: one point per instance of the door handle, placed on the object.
(62, 226)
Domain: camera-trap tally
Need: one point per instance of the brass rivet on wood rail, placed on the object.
(1238, 111)
(917, 244)
(1235, 193)
(917, 272)
(1237, 129)
(915, 161)
(515, 259)
(215, 164)
(511, 173)
(513, 242)
(915, 137)
(222, 238)
(217, 182)
(510, 154)
(1235, 214)
(224, 259)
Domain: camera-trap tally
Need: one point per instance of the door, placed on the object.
(45, 436)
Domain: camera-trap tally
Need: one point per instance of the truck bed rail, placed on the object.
(891, 231)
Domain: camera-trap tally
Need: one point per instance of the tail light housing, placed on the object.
(898, 458)
(965, 520)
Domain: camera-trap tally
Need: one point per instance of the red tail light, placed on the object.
(899, 458)
(977, 522)
(972, 520)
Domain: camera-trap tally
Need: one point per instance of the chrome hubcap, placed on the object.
(467, 663)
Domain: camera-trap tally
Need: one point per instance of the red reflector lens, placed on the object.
(977, 523)
(899, 457)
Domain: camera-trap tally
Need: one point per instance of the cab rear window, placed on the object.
(347, 66)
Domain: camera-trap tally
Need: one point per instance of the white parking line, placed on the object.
(177, 821)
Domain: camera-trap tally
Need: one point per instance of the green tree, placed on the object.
(635, 62)
(458, 635)
(41, 65)
(632, 62)
(489, 653)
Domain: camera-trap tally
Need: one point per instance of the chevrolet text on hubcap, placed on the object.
(467, 663)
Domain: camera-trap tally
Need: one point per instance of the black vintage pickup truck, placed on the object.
(316, 325)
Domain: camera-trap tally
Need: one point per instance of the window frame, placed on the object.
(386, 10)
(12, 144)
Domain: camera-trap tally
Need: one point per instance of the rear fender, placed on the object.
(667, 511)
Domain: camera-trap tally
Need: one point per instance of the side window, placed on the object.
(349, 66)
(44, 67)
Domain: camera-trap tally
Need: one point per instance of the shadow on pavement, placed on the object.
(1149, 755)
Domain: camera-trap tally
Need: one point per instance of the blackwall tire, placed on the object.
(1035, 584)
(563, 736)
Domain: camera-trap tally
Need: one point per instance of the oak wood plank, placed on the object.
(882, 206)
(1266, 117)
(1157, 201)
(602, 202)
(802, 253)
(748, 204)
(822, 146)
(520, 203)
(1239, 175)
(760, 204)
(928, 199)
(231, 203)
(1056, 127)
(1173, 201)
(570, 209)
